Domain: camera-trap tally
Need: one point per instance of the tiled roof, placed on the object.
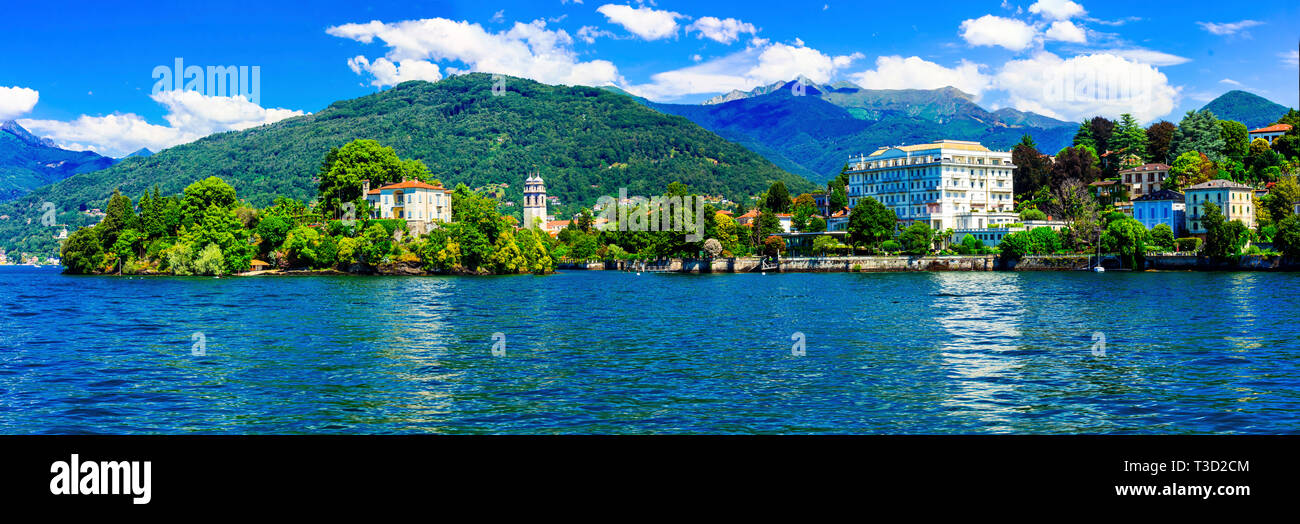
(1163, 194)
(1220, 184)
(1273, 128)
(1147, 167)
(412, 184)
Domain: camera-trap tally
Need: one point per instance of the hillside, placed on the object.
(28, 162)
(1253, 110)
(814, 134)
(586, 142)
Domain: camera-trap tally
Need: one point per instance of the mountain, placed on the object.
(586, 142)
(1253, 110)
(28, 162)
(142, 152)
(813, 129)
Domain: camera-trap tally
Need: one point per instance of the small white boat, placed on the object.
(1099, 269)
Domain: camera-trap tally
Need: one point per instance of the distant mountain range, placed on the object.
(28, 162)
(812, 130)
(1253, 110)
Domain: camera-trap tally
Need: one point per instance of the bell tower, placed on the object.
(534, 201)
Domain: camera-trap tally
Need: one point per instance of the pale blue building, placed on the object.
(1162, 207)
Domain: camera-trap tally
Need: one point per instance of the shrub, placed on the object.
(891, 246)
(1033, 214)
(1188, 244)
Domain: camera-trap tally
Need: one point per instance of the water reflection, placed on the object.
(979, 315)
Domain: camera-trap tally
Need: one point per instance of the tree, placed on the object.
(210, 261)
(1129, 137)
(118, 215)
(823, 244)
(778, 198)
(917, 239)
(1032, 214)
(816, 225)
(1126, 237)
(1222, 239)
(1083, 136)
(871, 223)
(970, 245)
(1074, 163)
(1236, 139)
(204, 194)
(1199, 131)
(1287, 238)
(1160, 137)
(1031, 167)
(1188, 170)
(83, 252)
(344, 168)
(1162, 237)
(799, 221)
(773, 246)
(1281, 200)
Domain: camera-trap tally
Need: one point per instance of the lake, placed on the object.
(608, 352)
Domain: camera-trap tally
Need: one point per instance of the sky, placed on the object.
(94, 76)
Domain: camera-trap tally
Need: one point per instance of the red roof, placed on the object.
(1147, 167)
(1273, 128)
(412, 184)
(753, 213)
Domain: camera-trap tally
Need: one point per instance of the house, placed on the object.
(994, 236)
(1144, 179)
(821, 200)
(1108, 191)
(750, 216)
(838, 221)
(946, 184)
(418, 203)
(1162, 207)
(1233, 199)
(258, 265)
(1270, 133)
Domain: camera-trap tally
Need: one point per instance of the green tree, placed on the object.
(778, 198)
(1287, 238)
(1199, 131)
(917, 239)
(1031, 167)
(344, 168)
(1222, 239)
(1236, 139)
(119, 214)
(1162, 237)
(871, 223)
(1126, 237)
(1129, 138)
(210, 261)
(83, 252)
(802, 213)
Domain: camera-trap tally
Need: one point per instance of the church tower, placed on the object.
(534, 201)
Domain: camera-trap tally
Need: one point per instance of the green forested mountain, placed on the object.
(1253, 110)
(585, 142)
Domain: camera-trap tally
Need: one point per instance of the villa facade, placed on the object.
(418, 203)
(1233, 199)
(1162, 207)
(946, 184)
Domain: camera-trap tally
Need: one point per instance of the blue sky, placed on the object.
(81, 73)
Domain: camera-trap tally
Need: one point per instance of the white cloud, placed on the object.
(1148, 56)
(17, 101)
(896, 72)
(724, 31)
(1057, 9)
(645, 22)
(589, 33)
(190, 116)
(499, 16)
(1291, 57)
(387, 73)
(1231, 82)
(759, 64)
(989, 30)
(1066, 31)
(525, 50)
(1086, 85)
(1228, 29)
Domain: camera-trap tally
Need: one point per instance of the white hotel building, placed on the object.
(948, 184)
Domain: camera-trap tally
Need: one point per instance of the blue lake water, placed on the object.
(606, 352)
